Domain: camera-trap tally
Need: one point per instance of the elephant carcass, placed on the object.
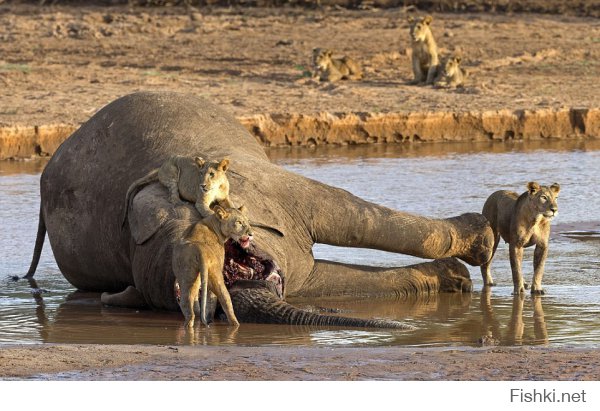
(84, 184)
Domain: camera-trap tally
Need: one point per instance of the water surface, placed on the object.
(433, 180)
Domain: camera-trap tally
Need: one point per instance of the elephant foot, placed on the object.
(454, 276)
(128, 298)
(474, 239)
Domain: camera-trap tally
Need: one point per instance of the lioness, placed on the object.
(451, 74)
(425, 62)
(198, 260)
(190, 178)
(329, 69)
(522, 221)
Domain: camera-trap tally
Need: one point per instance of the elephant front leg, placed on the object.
(539, 261)
(516, 256)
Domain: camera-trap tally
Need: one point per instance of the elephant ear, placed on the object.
(150, 210)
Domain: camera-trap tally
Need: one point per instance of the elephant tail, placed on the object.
(133, 189)
(39, 244)
(260, 305)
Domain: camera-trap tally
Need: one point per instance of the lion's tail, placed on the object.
(133, 189)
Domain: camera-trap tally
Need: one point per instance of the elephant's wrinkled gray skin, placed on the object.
(82, 199)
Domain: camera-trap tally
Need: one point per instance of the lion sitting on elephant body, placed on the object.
(189, 178)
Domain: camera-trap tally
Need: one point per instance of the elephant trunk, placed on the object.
(261, 305)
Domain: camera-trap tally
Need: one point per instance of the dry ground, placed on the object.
(60, 64)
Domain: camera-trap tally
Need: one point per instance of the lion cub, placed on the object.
(198, 260)
(452, 74)
(425, 61)
(190, 178)
(329, 69)
(522, 221)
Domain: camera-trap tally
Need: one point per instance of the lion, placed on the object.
(326, 68)
(198, 260)
(190, 178)
(522, 221)
(451, 73)
(425, 61)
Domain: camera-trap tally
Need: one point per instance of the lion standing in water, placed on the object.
(522, 221)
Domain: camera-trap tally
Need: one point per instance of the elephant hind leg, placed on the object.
(337, 279)
(128, 298)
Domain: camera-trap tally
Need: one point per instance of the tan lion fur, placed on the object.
(327, 68)
(198, 260)
(522, 221)
(425, 61)
(189, 178)
(451, 73)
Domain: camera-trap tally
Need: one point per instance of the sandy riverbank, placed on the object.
(115, 362)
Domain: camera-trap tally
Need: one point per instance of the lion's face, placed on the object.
(419, 29)
(321, 58)
(544, 199)
(235, 225)
(213, 175)
(452, 67)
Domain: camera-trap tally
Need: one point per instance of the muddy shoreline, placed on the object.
(200, 363)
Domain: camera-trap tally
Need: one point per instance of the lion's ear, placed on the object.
(224, 164)
(329, 53)
(555, 188)
(243, 210)
(220, 212)
(457, 59)
(200, 161)
(427, 20)
(533, 187)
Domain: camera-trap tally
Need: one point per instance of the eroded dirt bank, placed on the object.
(286, 130)
(114, 362)
(531, 75)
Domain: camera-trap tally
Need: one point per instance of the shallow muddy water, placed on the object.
(433, 180)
